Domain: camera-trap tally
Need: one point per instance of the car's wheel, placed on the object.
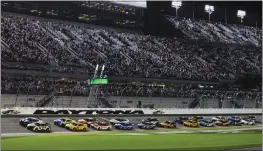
(74, 129)
(108, 128)
(98, 129)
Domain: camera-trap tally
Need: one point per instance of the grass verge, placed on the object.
(149, 142)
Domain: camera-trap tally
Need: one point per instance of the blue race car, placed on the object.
(24, 122)
(124, 126)
(181, 120)
(206, 123)
(234, 120)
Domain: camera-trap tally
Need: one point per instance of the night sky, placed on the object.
(253, 10)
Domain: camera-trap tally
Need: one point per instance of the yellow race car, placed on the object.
(62, 122)
(76, 126)
(167, 124)
(191, 123)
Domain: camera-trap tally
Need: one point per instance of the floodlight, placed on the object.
(176, 5)
(241, 14)
(209, 9)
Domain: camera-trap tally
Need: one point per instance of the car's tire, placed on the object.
(98, 128)
(108, 129)
(74, 129)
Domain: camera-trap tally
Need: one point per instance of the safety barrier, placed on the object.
(22, 111)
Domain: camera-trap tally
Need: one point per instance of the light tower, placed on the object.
(176, 5)
(241, 14)
(209, 9)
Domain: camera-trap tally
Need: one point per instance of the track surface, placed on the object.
(11, 125)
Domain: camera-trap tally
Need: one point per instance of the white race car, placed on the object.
(100, 126)
(217, 118)
(248, 122)
(118, 120)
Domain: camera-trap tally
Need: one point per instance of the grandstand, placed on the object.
(47, 61)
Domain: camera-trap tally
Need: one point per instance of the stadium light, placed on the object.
(241, 14)
(209, 9)
(176, 5)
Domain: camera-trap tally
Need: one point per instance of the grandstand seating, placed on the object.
(45, 45)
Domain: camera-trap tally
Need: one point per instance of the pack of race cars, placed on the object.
(38, 125)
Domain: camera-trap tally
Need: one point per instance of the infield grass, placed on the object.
(150, 142)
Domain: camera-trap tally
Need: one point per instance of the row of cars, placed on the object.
(37, 125)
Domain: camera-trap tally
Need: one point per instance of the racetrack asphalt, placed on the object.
(11, 125)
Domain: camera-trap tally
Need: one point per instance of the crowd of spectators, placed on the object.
(64, 47)
(41, 85)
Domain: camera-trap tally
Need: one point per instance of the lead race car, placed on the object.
(124, 126)
(24, 122)
(146, 125)
(39, 126)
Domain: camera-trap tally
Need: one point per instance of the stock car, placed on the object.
(151, 120)
(206, 123)
(10, 112)
(118, 120)
(234, 120)
(248, 121)
(222, 122)
(168, 124)
(197, 118)
(39, 126)
(62, 122)
(124, 126)
(87, 121)
(217, 118)
(146, 125)
(76, 126)
(100, 126)
(250, 117)
(191, 123)
(180, 120)
(24, 122)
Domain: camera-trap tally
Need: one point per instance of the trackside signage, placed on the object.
(128, 111)
(88, 111)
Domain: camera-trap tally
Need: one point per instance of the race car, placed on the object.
(167, 124)
(158, 112)
(234, 118)
(24, 122)
(87, 121)
(124, 126)
(181, 120)
(191, 123)
(250, 117)
(100, 126)
(248, 122)
(10, 112)
(118, 120)
(146, 125)
(206, 123)
(151, 120)
(222, 122)
(214, 119)
(76, 126)
(39, 126)
(197, 118)
(63, 121)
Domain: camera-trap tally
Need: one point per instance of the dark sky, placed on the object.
(253, 10)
